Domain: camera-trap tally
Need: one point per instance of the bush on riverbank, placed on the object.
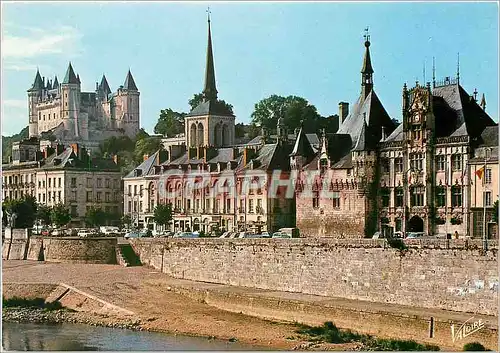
(331, 334)
(30, 303)
(474, 346)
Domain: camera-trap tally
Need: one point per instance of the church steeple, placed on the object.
(210, 89)
(483, 103)
(366, 70)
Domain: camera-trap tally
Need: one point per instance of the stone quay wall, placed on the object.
(455, 275)
(61, 249)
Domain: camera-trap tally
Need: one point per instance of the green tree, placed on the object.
(292, 109)
(126, 221)
(43, 214)
(60, 215)
(8, 140)
(495, 212)
(142, 134)
(148, 145)
(198, 98)
(163, 214)
(95, 217)
(25, 210)
(170, 123)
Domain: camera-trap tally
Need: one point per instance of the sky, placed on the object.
(312, 50)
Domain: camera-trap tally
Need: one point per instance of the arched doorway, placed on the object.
(416, 224)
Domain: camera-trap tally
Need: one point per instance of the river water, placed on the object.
(79, 337)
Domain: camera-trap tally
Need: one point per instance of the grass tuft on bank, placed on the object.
(30, 303)
(331, 334)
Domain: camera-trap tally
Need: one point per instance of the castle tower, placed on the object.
(366, 70)
(127, 106)
(34, 95)
(210, 123)
(70, 102)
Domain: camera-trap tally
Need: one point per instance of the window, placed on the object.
(228, 206)
(259, 205)
(242, 205)
(39, 197)
(135, 189)
(440, 162)
(73, 211)
(129, 206)
(141, 188)
(89, 196)
(316, 199)
(336, 200)
(99, 194)
(416, 132)
(130, 190)
(107, 197)
(456, 162)
(417, 196)
(385, 165)
(207, 206)
(39, 183)
(349, 171)
(440, 196)
(487, 176)
(197, 205)
(487, 198)
(59, 196)
(43, 197)
(250, 206)
(89, 182)
(140, 206)
(188, 204)
(73, 195)
(106, 182)
(73, 182)
(135, 206)
(99, 182)
(416, 161)
(398, 197)
(386, 195)
(398, 165)
(50, 182)
(59, 182)
(456, 196)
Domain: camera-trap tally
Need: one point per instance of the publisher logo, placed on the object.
(466, 329)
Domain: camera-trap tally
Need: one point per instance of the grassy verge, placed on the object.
(331, 334)
(30, 303)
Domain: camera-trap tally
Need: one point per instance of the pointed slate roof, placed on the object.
(70, 76)
(104, 86)
(210, 89)
(38, 83)
(302, 147)
(372, 112)
(129, 82)
(367, 62)
(145, 167)
(55, 84)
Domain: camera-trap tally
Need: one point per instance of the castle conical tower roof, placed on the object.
(70, 76)
(37, 83)
(210, 89)
(129, 82)
(104, 86)
(55, 84)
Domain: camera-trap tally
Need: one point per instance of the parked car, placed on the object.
(186, 235)
(45, 232)
(58, 232)
(265, 235)
(293, 232)
(109, 230)
(132, 234)
(225, 235)
(398, 235)
(415, 235)
(281, 235)
(84, 233)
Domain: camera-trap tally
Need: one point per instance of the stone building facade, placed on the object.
(72, 116)
(66, 175)
(414, 177)
(191, 175)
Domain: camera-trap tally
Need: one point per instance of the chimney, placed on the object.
(343, 111)
(161, 157)
(236, 152)
(383, 134)
(74, 147)
(248, 154)
(145, 157)
(97, 86)
(82, 154)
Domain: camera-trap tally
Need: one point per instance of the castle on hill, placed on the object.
(62, 112)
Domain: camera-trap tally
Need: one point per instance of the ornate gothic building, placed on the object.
(416, 176)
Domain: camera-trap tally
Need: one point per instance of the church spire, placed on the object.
(210, 90)
(366, 70)
(483, 103)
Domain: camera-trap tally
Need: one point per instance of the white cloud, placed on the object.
(37, 42)
(15, 103)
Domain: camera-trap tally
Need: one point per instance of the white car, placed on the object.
(84, 233)
(108, 230)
